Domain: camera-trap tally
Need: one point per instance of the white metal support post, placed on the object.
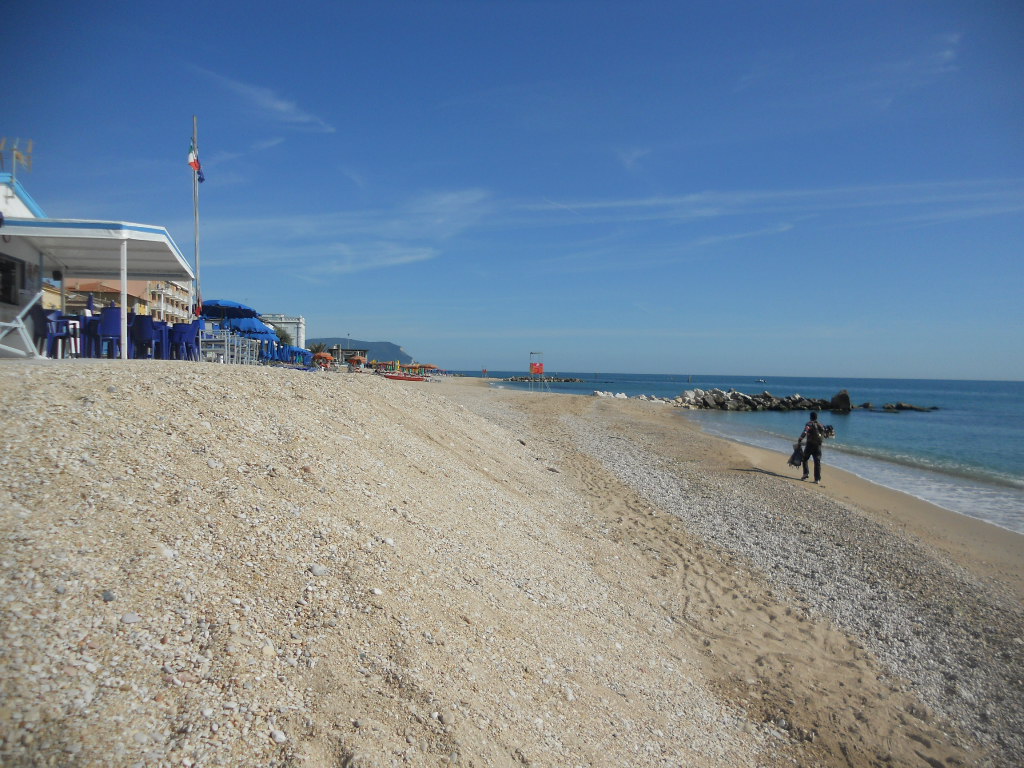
(124, 299)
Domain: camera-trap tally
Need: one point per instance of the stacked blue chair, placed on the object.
(108, 332)
(185, 341)
(144, 335)
(89, 339)
(162, 345)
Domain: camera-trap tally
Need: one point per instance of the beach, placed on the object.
(233, 566)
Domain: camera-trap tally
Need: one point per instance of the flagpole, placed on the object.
(195, 207)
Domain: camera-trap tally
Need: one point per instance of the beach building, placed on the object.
(294, 325)
(36, 250)
(356, 357)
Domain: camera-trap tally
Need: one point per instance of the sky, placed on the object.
(747, 188)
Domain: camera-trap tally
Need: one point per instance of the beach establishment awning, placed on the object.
(94, 248)
(104, 250)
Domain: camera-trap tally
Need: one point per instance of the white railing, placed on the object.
(225, 347)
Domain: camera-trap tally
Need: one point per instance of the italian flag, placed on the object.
(193, 161)
(193, 156)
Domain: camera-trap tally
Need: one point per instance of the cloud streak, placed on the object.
(997, 195)
(854, 77)
(344, 242)
(344, 258)
(586, 236)
(266, 103)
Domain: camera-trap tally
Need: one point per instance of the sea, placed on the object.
(967, 456)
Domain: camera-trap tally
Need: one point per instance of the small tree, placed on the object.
(283, 335)
(318, 347)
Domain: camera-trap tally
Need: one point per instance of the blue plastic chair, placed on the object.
(144, 335)
(109, 331)
(185, 341)
(162, 345)
(58, 335)
(89, 339)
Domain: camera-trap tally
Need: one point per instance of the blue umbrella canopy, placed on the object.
(224, 309)
(250, 325)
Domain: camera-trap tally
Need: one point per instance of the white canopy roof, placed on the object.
(93, 248)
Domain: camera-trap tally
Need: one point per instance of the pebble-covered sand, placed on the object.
(213, 565)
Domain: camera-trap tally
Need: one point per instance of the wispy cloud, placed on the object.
(854, 77)
(995, 195)
(630, 158)
(587, 236)
(342, 242)
(269, 104)
(262, 146)
(616, 257)
(444, 214)
(345, 258)
(886, 80)
(354, 177)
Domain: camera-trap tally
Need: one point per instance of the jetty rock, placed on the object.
(734, 400)
(624, 396)
(840, 402)
(907, 407)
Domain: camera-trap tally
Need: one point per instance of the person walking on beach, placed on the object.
(812, 437)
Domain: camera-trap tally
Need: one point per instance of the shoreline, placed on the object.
(907, 474)
(990, 493)
(988, 549)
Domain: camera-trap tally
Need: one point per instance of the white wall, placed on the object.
(11, 205)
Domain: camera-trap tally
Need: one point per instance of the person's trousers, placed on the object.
(813, 451)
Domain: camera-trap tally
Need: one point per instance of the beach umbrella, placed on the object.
(224, 309)
(247, 325)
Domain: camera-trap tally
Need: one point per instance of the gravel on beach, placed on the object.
(211, 565)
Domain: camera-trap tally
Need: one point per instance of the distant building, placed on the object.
(352, 356)
(166, 300)
(296, 326)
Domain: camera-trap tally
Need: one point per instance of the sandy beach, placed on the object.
(212, 565)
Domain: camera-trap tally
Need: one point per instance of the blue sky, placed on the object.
(801, 188)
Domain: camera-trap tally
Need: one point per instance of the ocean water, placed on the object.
(967, 457)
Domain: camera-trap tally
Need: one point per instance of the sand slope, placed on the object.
(210, 565)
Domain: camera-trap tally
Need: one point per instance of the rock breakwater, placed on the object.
(734, 400)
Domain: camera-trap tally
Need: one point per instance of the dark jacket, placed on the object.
(814, 433)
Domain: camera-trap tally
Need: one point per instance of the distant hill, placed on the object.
(376, 350)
